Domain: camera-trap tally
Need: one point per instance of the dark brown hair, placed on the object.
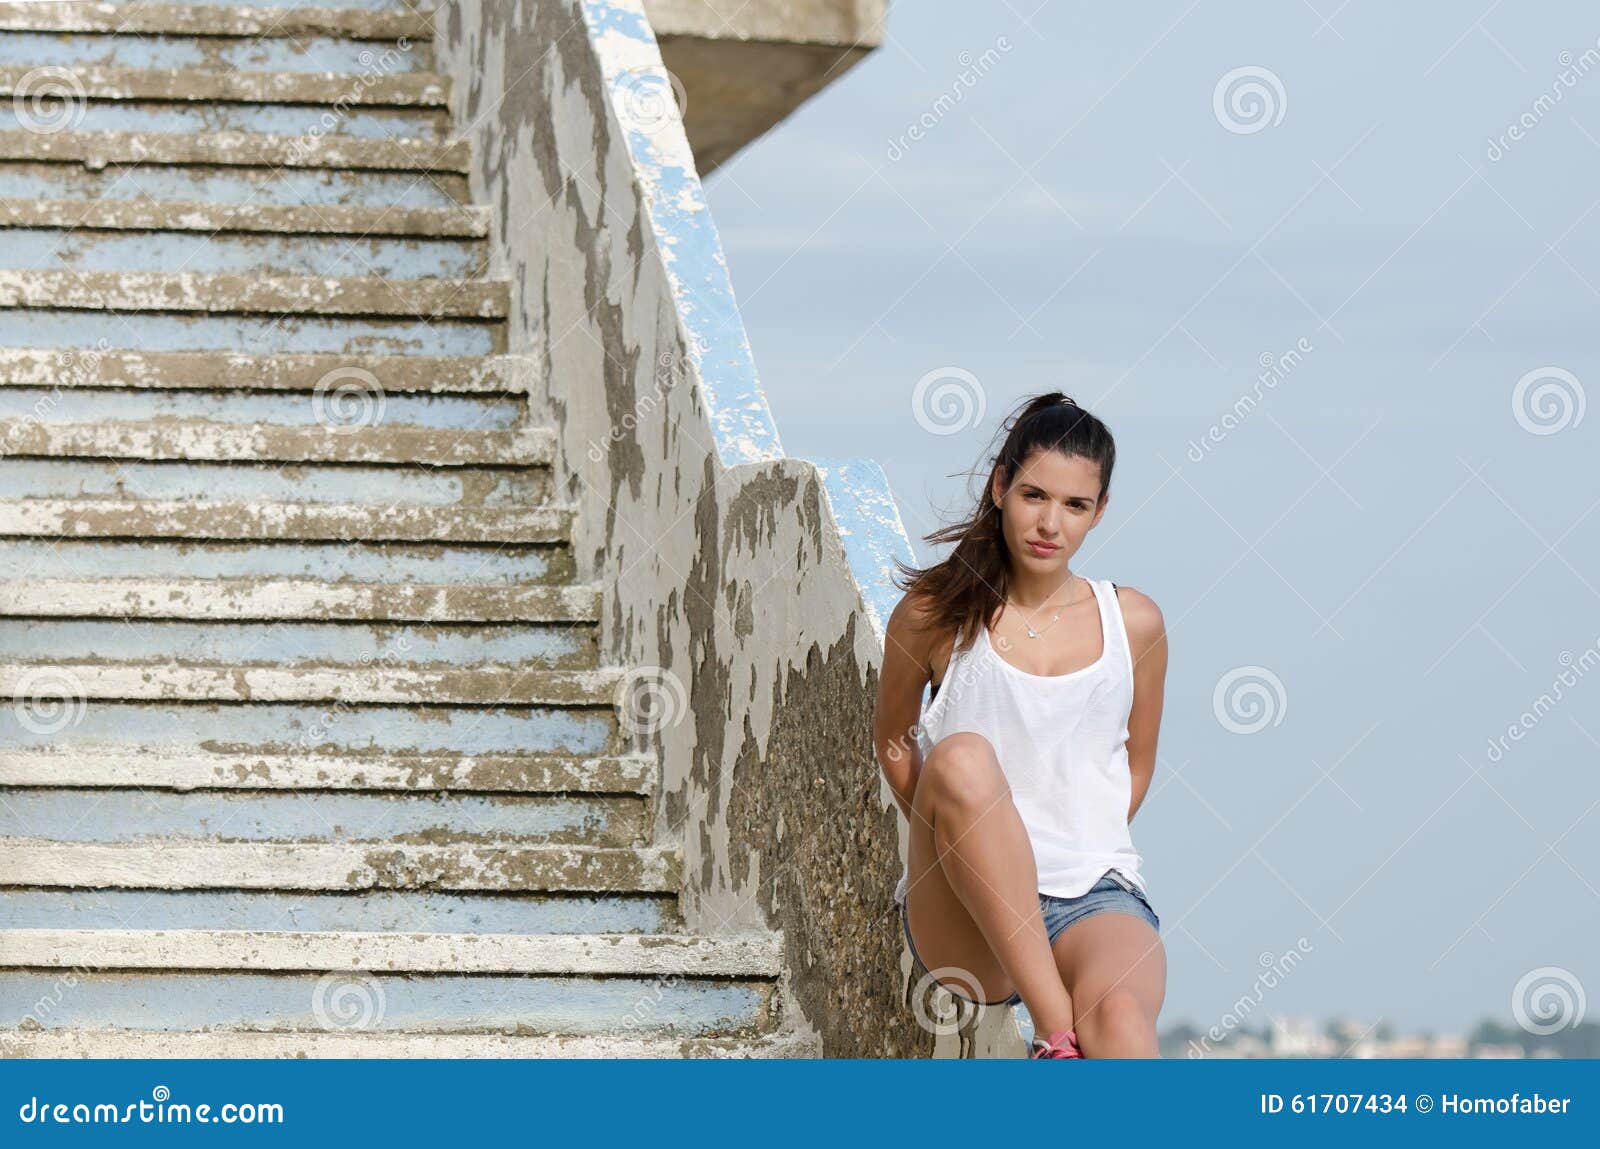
(965, 588)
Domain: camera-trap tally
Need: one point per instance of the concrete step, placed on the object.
(213, 370)
(485, 685)
(383, 1002)
(190, 85)
(309, 647)
(247, 332)
(175, 480)
(136, 519)
(184, 865)
(409, 911)
(155, 769)
(269, 185)
(210, 1045)
(244, 253)
(125, 815)
(54, 715)
(358, 563)
(285, 295)
(623, 955)
(312, 51)
(208, 440)
(302, 122)
(465, 221)
(284, 20)
(242, 599)
(234, 148)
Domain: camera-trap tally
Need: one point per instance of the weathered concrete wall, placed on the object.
(749, 589)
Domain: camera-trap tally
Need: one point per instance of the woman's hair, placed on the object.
(965, 588)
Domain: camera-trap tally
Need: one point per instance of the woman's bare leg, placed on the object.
(1116, 969)
(972, 888)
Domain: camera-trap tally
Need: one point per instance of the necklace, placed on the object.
(1028, 625)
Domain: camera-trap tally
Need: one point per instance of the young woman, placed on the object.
(1020, 776)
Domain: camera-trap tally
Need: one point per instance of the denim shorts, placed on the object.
(1112, 893)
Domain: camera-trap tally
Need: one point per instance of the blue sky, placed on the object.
(1397, 542)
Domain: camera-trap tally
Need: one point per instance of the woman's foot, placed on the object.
(1063, 1043)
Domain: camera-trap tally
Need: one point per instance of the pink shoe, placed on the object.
(1062, 1044)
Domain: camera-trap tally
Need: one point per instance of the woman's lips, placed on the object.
(1043, 550)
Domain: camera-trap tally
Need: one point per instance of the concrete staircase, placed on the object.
(305, 747)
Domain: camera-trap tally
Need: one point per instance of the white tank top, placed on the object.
(1062, 743)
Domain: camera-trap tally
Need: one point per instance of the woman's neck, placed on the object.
(1032, 593)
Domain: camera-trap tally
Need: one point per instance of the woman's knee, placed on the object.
(961, 769)
(1117, 1014)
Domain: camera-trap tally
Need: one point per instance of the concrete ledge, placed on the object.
(238, 149)
(236, 599)
(180, 865)
(410, 90)
(150, 519)
(198, 20)
(625, 955)
(149, 768)
(219, 370)
(463, 222)
(420, 686)
(222, 1044)
(210, 440)
(275, 295)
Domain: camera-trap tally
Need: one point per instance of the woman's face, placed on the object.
(1048, 509)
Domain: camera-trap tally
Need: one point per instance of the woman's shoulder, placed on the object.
(915, 626)
(1141, 616)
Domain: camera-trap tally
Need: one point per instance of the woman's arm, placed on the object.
(901, 680)
(1147, 640)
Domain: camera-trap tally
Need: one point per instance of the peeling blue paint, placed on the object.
(870, 530)
(604, 17)
(691, 250)
(858, 492)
